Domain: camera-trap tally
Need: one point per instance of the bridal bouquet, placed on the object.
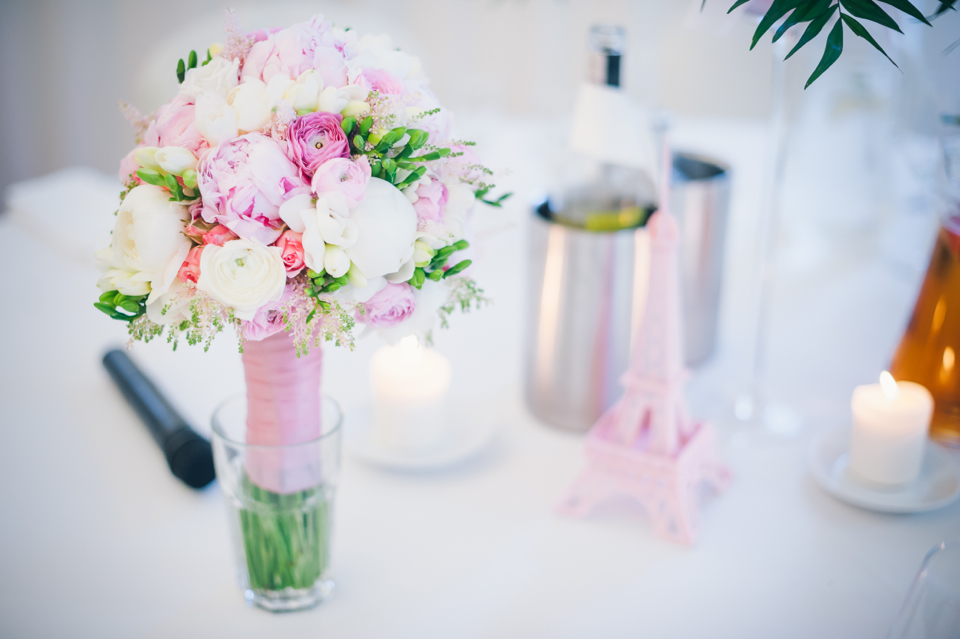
(302, 179)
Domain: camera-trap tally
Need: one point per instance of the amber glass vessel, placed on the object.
(929, 350)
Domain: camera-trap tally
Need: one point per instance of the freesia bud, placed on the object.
(335, 261)
(215, 48)
(422, 253)
(190, 178)
(175, 160)
(146, 157)
(355, 108)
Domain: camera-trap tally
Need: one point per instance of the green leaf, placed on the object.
(171, 182)
(365, 125)
(858, 29)
(459, 266)
(813, 30)
(737, 4)
(151, 177)
(945, 5)
(830, 53)
(907, 7)
(192, 60)
(181, 71)
(777, 10)
(804, 13)
(209, 57)
(870, 10)
(348, 124)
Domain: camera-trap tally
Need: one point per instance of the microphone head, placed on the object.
(192, 462)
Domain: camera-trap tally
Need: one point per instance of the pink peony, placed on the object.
(345, 176)
(243, 183)
(432, 198)
(268, 319)
(382, 81)
(291, 243)
(307, 45)
(190, 269)
(315, 138)
(219, 235)
(175, 125)
(388, 307)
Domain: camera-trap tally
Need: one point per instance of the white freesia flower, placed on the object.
(216, 120)
(242, 274)
(326, 226)
(338, 99)
(175, 159)
(335, 261)
(387, 228)
(171, 308)
(146, 156)
(251, 101)
(148, 244)
(219, 76)
(303, 94)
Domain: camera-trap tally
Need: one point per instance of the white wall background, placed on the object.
(64, 64)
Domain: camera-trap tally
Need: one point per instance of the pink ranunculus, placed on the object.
(291, 51)
(432, 198)
(388, 307)
(268, 319)
(219, 235)
(382, 81)
(128, 167)
(291, 243)
(175, 125)
(345, 176)
(315, 138)
(190, 269)
(243, 183)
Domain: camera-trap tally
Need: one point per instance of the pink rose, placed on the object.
(344, 176)
(268, 319)
(219, 235)
(175, 125)
(244, 181)
(291, 243)
(383, 81)
(189, 271)
(307, 45)
(315, 138)
(388, 307)
(432, 198)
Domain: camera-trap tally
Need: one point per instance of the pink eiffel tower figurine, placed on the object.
(646, 446)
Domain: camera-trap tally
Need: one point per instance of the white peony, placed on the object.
(175, 159)
(148, 244)
(218, 76)
(242, 274)
(216, 120)
(387, 228)
(251, 101)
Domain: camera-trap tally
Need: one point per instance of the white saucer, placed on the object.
(467, 435)
(937, 485)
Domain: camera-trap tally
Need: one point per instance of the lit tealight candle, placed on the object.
(890, 424)
(410, 386)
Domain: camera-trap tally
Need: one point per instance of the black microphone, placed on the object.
(189, 455)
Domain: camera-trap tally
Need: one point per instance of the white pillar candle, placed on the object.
(890, 424)
(410, 386)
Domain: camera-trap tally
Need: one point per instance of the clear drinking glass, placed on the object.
(281, 539)
(931, 609)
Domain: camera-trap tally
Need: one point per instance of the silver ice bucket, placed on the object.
(587, 291)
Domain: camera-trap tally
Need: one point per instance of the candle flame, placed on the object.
(889, 386)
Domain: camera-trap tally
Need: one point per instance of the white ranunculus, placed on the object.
(251, 101)
(171, 308)
(303, 94)
(242, 274)
(175, 159)
(148, 244)
(219, 76)
(216, 120)
(387, 228)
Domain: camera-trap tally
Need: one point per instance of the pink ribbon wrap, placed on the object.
(283, 409)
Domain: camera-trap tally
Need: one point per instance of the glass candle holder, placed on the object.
(281, 537)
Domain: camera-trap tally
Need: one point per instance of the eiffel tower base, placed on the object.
(667, 486)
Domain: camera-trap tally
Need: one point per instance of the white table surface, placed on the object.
(97, 539)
